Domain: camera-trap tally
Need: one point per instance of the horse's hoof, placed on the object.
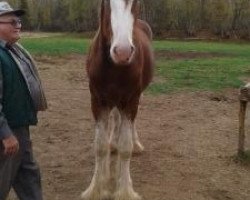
(96, 195)
(113, 149)
(127, 195)
(138, 148)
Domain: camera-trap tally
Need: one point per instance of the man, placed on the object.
(21, 97)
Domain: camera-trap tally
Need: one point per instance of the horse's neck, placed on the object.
(144, 26)
(99, 52)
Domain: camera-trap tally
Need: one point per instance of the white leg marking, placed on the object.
(125, 189)
(98, 189)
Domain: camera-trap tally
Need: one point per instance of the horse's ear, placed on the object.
(138, 3)
(136, 8)
(104, 11)
(104, 19)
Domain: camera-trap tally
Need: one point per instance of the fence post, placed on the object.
(244, 97)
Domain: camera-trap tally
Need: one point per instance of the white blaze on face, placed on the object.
(122, 21)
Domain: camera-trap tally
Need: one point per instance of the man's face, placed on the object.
(10, 26)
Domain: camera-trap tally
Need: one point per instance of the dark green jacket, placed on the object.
(18, 103)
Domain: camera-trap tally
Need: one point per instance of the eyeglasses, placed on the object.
(13, 22)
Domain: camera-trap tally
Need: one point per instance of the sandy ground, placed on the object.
(190, 139)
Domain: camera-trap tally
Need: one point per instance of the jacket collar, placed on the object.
(3, 43)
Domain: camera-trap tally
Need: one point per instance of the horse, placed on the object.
(119, 67)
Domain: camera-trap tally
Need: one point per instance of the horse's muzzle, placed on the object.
(122, 54)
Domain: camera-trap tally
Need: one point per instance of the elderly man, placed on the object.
(21, 97)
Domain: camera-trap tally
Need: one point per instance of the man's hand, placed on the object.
(11, 145)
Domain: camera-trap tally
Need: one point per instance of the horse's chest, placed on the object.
(117, 83)
(119, 78)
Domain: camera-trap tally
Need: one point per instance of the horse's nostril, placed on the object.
(115, 50)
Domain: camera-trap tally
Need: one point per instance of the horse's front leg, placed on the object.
(98, 189)
(125, 189)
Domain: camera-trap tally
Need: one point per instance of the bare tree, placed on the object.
(225, 18)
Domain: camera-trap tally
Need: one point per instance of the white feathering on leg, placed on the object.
(98, 189)
(125, 145)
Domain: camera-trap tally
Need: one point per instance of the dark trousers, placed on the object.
(20, 171)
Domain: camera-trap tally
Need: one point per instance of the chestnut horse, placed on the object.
(120, 67)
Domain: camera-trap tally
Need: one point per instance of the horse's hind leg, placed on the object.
(114, 129)
(138, 147)
(98, 189)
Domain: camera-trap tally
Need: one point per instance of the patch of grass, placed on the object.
(199, 74)
(213, 73)
(56, 45)
(238, 49)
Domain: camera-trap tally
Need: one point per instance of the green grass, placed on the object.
(214, 73)
(239, 49)
(56, 45)
(200, 73)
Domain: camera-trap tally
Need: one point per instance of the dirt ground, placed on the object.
(190, 140)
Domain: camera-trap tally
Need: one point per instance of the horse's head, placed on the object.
(117, 27)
